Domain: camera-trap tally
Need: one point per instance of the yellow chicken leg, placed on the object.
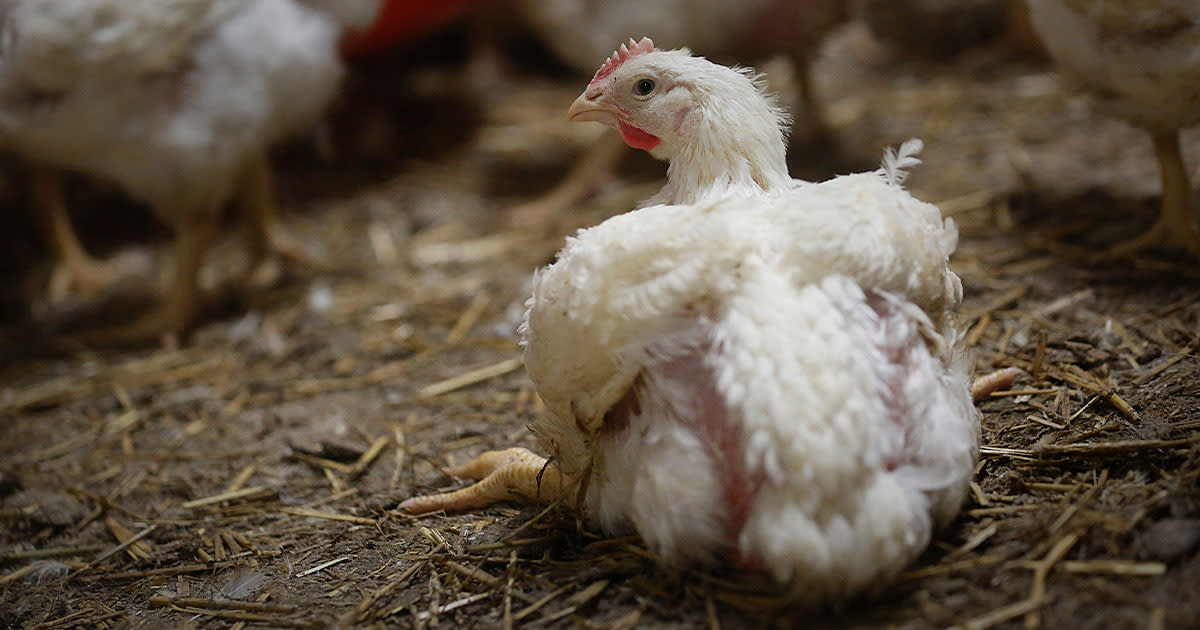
(514, 473)
(75, 272)
(178, 309)
(265, 232)
(1175, 225)
(517, 473)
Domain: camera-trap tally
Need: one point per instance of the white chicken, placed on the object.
(1139, 60)
(177, 101)
(581, 31)
(749, 369)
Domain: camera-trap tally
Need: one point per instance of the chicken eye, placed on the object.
(643, 87)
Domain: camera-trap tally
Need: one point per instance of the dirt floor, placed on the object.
(249, 476)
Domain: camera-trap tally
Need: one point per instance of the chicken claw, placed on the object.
(1174, 226)
(992, 382)
(264, 229)
(178, 309)
(503, 475)
(76, 272)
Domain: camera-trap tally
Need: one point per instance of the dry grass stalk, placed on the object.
(363, 611)
(62, 621)
(1109, 567)
(321, 462)
(269, 620)
(950, 567)
(1002, 614)
(1112, 448)
(329, 516)
(996, 303)
(1161, 367)
(242, 477)
(973, 335)
(322, 566)
(454, 605)
(175, 570)
(470, 378)
(1038, 592)
(52, 552)
(367, 458)
(1025, 392)
(1004, 509)
(336, 496)
(476, 573)
(1076, 376)
(468, 318)
(224, 496)
(131, 543)
(537, 605)
(224, 604)
(18, 574)
(1114, 567)
(977, 539)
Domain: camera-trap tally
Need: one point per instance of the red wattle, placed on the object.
(635, 137)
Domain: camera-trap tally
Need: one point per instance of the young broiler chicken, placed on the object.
(177, 101)
(581, 31)
(748, 369)
(1139, 60)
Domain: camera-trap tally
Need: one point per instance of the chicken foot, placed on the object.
(265, 233)
(76, 272)
(993, 382)
(502, 475)
(1175, 226)
(518, 473)
(177, 310)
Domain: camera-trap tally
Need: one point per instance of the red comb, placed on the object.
(622, 54)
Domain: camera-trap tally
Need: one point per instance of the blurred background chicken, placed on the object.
(749, 369)
(1138, 60)
(177, 102)
(581, 32)
(937, 29)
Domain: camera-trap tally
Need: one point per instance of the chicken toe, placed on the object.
(76, 272)
(177, 311)
(993, 382)
(1175, 226)
(503, 475)
(265, 231)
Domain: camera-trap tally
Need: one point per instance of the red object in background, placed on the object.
(400, 21)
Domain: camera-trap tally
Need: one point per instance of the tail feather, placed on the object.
(897, 162)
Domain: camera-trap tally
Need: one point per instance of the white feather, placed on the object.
(759, 371)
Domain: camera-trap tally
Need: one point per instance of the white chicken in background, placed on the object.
(177, 101)
(749, 369)
(1138, 60)
(582, 31)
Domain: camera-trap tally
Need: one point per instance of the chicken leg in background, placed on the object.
(177, 102)
(265, 233)
(75, 272)
(1138, 60)
(581, 32)
(982, 31)
(749, 370)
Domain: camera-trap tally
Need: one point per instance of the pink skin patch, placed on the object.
(720, 428)
(635, 137)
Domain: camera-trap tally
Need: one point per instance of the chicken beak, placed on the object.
(590, 106)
